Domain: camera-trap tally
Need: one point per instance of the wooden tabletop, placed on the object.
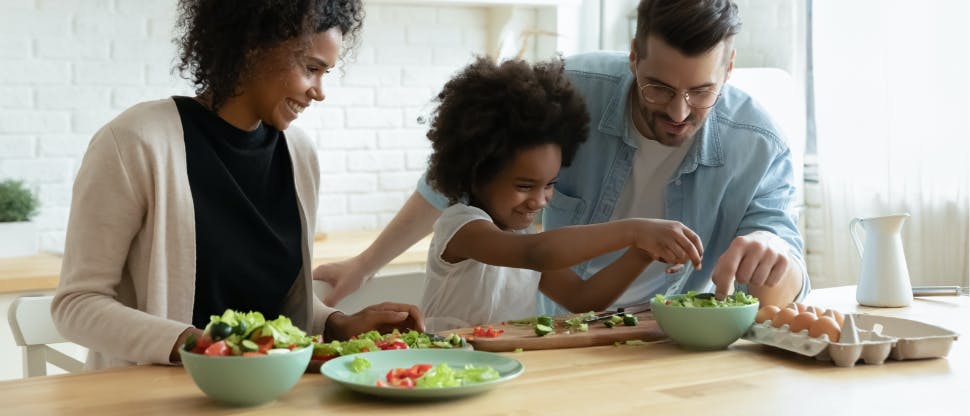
(653, 379)
(41, 272)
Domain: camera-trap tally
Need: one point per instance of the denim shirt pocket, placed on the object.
(563, 210)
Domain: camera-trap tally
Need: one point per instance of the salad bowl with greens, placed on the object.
(701, 322)
(243, 359)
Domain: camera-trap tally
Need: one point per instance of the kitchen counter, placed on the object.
(655, 378)
(40, 272)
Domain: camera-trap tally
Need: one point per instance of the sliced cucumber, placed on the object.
(542, 330)
(248, 345)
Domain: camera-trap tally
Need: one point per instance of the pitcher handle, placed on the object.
(855, 224)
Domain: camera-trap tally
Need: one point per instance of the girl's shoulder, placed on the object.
(456, 216)
(463, 211)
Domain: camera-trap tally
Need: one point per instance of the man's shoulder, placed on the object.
(602, 78)
(737, 111)
(598, 65)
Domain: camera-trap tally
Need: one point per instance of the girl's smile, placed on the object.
(522, 188)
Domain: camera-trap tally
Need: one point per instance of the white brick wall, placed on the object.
(69, 66)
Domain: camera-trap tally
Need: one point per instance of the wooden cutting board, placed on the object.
(524, 336)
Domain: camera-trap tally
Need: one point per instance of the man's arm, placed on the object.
(766, 254)
(410, 224)
(414, 221)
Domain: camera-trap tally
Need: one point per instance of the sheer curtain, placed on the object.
(892, 86)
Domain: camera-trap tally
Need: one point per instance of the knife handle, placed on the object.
(919, 291)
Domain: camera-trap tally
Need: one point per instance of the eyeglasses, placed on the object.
(662, 94)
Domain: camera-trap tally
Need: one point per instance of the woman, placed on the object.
(184, 207)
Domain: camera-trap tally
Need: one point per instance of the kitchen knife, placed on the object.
(919, 291)
(632, 309)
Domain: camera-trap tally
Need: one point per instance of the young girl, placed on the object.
(499, 136)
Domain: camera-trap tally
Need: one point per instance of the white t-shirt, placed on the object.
(643, 197)
(469, 292)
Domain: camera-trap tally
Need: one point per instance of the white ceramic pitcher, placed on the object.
(884, 281)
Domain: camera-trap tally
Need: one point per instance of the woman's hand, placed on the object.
(384, 318)
(174, 356)
(344, 278)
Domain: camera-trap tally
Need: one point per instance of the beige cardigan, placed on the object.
(128, 277)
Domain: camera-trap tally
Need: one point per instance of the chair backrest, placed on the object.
(33, 329)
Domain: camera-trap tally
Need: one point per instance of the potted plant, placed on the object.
(18, 236)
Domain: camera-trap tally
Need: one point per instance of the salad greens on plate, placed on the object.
(375, 341)
(423, 373)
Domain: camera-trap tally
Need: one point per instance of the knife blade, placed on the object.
(632, 309)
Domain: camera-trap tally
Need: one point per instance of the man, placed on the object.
(668, 139)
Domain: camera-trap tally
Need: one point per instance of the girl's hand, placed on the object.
(669, 241)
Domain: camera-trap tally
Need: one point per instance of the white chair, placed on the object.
(33, 329)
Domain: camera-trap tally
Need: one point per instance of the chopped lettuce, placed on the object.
(285, 333)
(444, 376)
(240, 329)
(359, 364)
(690, 300)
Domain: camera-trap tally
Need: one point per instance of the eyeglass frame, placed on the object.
(685, 95)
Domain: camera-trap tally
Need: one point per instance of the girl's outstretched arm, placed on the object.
(563, 247)
(566, 288)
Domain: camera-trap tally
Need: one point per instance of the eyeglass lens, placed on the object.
(659, 94)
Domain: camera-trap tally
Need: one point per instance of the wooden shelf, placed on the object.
(41, 272)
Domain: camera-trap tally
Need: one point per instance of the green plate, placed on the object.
(338, 370)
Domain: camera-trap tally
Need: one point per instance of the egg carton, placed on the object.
(901, 339)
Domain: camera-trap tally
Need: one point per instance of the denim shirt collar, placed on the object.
(706, 149)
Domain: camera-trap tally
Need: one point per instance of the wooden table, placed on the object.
(653, 379)
(41, 272)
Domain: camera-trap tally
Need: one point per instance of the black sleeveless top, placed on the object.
(247, 221)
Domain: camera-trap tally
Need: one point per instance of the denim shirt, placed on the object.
(735, 179)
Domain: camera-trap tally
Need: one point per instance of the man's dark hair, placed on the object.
(219, 38)
(488, 113)
(691, 26)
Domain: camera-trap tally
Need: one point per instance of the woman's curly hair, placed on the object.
(219, 38)
(488, 113)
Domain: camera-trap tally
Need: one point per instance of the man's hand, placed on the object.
(384, 317)
(760, 260)
(343, 277)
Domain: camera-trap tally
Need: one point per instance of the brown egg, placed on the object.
(798, 307)
(784, 316)
(802, 322)
(766, 313)
(825, 325)
(834, 314)
(814, 310)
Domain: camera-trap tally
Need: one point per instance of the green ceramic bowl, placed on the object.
(704, 328)
(246, 381)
